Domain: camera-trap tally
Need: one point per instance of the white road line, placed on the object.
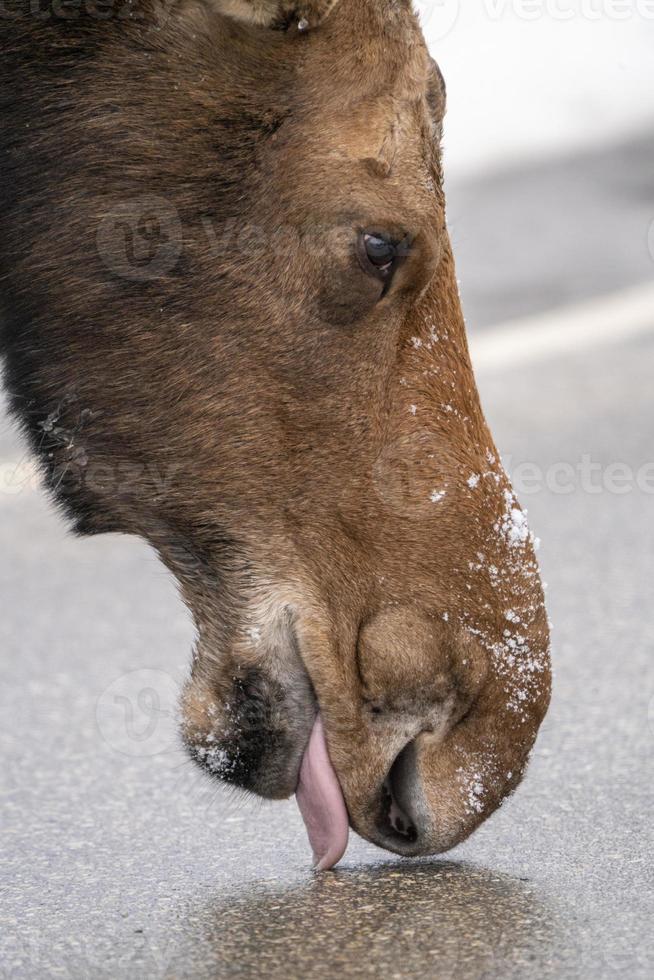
(570, 330)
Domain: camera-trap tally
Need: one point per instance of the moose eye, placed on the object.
(380, 252)
(380, 255)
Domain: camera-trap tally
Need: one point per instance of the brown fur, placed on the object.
(308, 456)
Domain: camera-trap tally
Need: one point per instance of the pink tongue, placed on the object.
(321, 802)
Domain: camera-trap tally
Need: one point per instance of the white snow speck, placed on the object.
(473, 789)
(514, 523)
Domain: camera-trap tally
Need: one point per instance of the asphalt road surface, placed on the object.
(119, 860)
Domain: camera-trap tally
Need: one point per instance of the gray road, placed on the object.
(119, 861)
(556, 232)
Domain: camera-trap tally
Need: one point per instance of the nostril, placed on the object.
(396, 819)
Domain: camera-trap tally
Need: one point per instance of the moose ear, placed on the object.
(305, 14)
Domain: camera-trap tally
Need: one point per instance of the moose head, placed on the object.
(231, 326)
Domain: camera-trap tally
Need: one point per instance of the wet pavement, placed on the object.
(119, 860)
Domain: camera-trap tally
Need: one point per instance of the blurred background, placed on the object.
(549, 146)
(120, 861)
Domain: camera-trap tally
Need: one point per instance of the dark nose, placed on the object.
(398, 820)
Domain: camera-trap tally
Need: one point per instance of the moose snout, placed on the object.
(436, 791)
(447, 738)
(411, 815)
(414, 749)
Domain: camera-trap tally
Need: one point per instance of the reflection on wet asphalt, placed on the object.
(403, 921)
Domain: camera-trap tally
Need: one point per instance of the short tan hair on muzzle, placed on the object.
(278, 13)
